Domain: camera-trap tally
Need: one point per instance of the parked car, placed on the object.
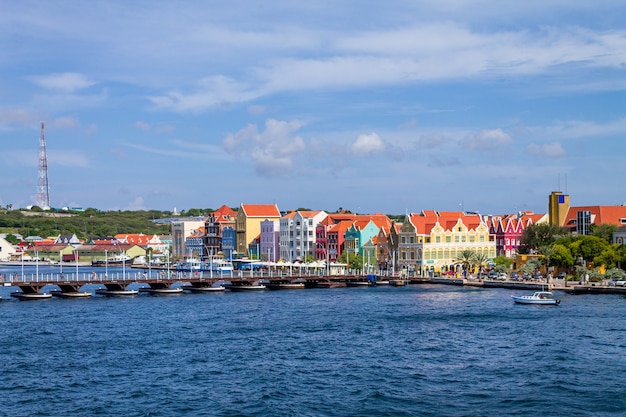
(502, 276)
(620, 283)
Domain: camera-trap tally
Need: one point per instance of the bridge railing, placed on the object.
(52, 278)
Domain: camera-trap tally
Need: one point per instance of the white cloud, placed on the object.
(553, 149)
(67, 82)
(143, 126)
(137, 204)
(272, 150)
(256, 109)
(366, 144)
(68, 158)
(17, 116)
(66, 122)
(487, 140)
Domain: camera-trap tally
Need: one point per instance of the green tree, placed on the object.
(561, 256)
(604, 231)
(591, 246)
(467, 259)
(530, 267)
(503, 261)
(609, 258)
(539, 235)
(615, 274)
(354, 261)
(482, 260)
(12, 239)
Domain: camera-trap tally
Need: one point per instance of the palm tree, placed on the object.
(467, 259)
(481, 262)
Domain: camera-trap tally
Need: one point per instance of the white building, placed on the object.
(6, 250)
(297, 234)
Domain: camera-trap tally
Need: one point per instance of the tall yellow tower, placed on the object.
(558, 206)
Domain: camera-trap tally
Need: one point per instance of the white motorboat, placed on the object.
(538, 297)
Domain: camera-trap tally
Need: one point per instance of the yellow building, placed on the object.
(248, 223)
(431, 241)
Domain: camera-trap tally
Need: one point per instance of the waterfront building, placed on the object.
(370, 255)
(229, 241)
(387, 247)
(269, 240)
(580, 218)
(152, 243)
(194, 243)
(364, 228)
(430, 241)
(298, 234)
(336, 239)
(507, 230)
(180, 230)
(248, 223)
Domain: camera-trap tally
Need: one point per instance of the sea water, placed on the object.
(420, 350)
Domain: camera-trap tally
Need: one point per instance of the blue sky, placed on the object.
(366, 105)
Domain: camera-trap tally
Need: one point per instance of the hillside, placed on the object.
(85, 224)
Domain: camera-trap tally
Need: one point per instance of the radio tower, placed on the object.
(43, 191)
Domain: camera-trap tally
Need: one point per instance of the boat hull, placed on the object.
(117, 293)
(528, 300)
(162, 291)
(72, 294)
(246, 287)
(205, 289)
(28, 297)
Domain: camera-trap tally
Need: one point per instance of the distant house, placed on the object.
(152, 242)
(67, 240)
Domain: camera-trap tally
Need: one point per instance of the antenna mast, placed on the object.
(43, 190)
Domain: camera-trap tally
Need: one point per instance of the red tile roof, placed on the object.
(260, 210)
(615, 215)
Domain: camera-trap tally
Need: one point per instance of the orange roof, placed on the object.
(615, 215)
(134, 239)
(224, 213)
(260, 210)
(427, 219)
(341, 227)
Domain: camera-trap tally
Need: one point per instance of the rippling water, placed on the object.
(421, 350)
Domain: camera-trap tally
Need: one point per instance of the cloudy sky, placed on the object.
(366, 105)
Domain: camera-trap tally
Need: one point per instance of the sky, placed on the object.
(368, 106)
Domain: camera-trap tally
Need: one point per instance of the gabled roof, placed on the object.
(341, 227)
(427, 219)
(309, 214)
(260, 210)
(224, 214)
